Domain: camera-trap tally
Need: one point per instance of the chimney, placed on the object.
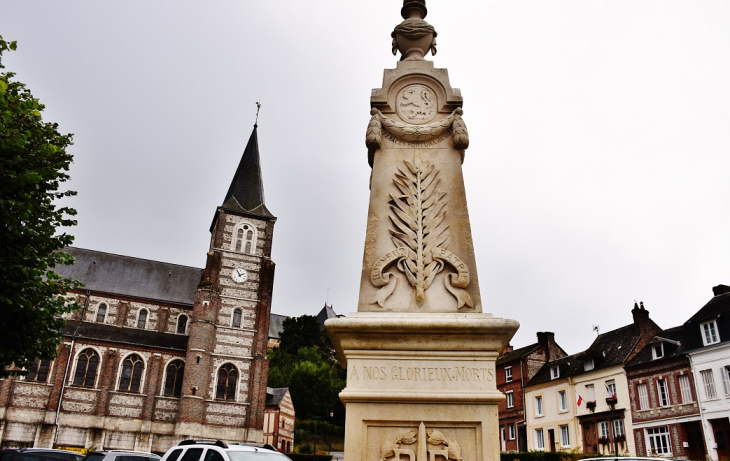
(507, 348)
(641, 318)
(720, 290)
(547, 340)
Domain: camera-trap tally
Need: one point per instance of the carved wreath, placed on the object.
(416, 133)
(420, 237)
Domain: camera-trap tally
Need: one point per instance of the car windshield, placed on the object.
(135, 458)
(94, 457)
(256, 456)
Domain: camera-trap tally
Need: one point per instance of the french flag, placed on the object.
(579, 401)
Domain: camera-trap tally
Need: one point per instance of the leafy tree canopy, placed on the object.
(33, 164)
(305, 363)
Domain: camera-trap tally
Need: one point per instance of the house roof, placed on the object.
(274, 395)
(517, 353)
(717, 305)
(246, 192)
(137, 277)
(670, 337)
(126, 336)
(608, 349)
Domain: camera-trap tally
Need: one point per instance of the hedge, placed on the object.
(308, 457)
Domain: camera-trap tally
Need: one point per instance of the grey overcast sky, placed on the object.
(598, 171)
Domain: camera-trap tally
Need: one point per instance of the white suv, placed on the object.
(215, 450)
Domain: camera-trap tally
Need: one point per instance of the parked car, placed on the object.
(216, 450)
(120, 455)
(38, 454)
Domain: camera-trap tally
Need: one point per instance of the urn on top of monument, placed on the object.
(419, 255)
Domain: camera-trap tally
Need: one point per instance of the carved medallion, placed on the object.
(416, 104)
(420, 237)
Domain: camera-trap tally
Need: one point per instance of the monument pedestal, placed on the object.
(421, 387)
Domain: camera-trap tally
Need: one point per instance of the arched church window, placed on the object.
(130, 379)
(101, 313)
(227, 381)
(244, 239)
(236, 321)
(182, 324)
(38, 371)
(174, 378)
(142, 319)
(87, 364)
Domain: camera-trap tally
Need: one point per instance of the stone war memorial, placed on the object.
(420, 351)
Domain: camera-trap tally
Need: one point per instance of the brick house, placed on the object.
(279, 419)
(159, 352)
(514, 368)
(664, 406)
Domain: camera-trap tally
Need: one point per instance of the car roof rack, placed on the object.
(259, 445)
(217, 443)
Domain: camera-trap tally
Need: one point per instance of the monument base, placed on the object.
(421, 387)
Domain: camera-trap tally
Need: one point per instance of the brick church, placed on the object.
(159, 352)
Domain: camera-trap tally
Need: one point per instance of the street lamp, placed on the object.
(314, 452)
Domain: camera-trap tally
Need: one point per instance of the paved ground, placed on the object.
(338, 456)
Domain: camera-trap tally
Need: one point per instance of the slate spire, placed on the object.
(246, 192)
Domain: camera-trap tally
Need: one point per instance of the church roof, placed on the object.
(325, 314)
(127, 336)
(126, 275)
(246, 192)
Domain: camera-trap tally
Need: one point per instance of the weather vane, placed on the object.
(258, 108)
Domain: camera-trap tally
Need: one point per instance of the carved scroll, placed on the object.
(420, 237)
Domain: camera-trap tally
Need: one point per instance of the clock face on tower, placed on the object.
(239, 275)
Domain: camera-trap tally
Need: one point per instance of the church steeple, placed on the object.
(246, 192)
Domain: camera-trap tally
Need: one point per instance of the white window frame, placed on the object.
(71, 377)
(591, 392)
(662, 392)
(562, 401)
(510, 399)
(618, 427)
(554, 372)
(708, 381)
(588, 365)
(564, 435)
(539, 410)
(726, 379)
(655, 435)
(508, 374)
(657, 351)
(710, 335)
(685, 388)
(539, 439)
(511, 431)
(238, 381)
(611, 388)
(603, 429)
(643, 390)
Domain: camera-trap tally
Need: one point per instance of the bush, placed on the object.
(307, 457)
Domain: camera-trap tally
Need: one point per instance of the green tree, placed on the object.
(304, 331)
(33, 164)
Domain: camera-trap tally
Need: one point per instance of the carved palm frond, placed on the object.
(417, 215)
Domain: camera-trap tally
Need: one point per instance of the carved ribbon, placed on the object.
(416, 133)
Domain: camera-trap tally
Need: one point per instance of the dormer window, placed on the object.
(554, 372)
(657, 351)
(244, 238)
(709, 333)
(588, 364)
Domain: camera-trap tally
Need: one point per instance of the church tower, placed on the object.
(224, 386)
